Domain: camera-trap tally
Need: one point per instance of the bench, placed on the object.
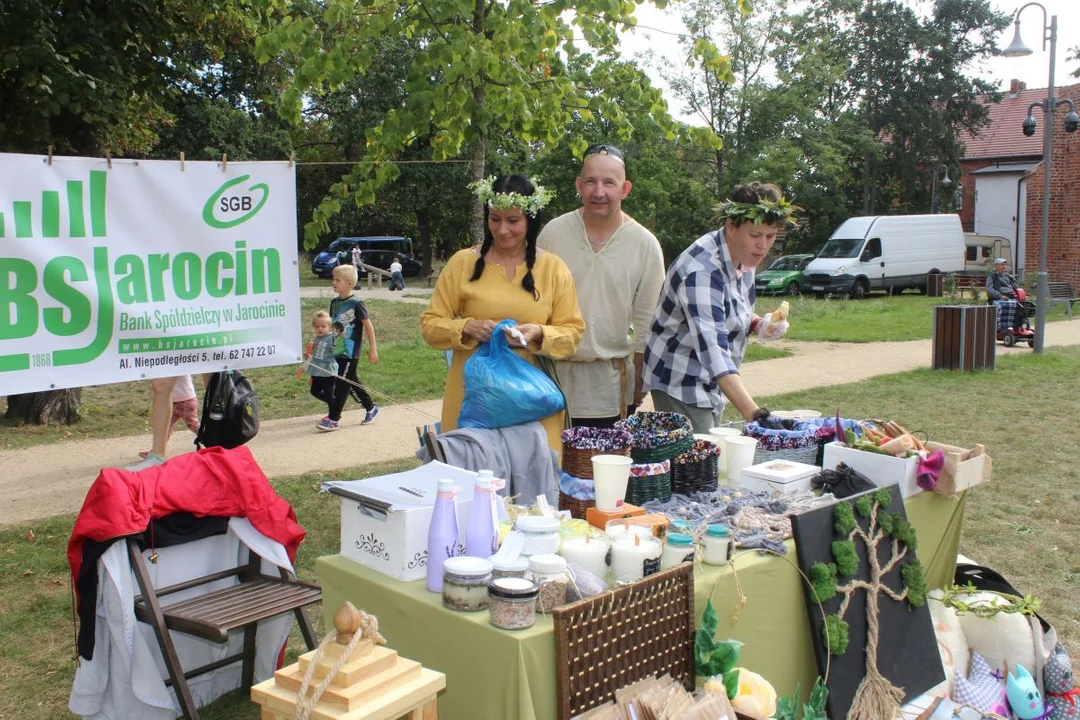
(1063, 293)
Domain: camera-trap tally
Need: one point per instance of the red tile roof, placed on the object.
(1003, 137)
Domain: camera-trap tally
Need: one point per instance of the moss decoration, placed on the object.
(847, 559)
(845, 519)
(915, 581)
(864, 506)
(882, 497)
(835, 633)
(906, 534)
(887, 521)
(823, 581)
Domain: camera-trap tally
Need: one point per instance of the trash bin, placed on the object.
(935, 284)
(964, 337)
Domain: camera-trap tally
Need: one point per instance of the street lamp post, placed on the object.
(1018, 49)
(945, 182)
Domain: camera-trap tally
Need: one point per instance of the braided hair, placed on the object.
(514, 184)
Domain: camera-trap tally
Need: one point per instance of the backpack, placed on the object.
(230, 414)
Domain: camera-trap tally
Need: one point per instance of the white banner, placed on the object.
(144, 269)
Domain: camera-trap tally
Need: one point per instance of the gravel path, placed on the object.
(45, 480)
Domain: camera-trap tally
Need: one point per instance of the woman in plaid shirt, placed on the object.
(705, 314)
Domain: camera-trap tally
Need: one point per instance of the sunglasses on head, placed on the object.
(605, 150)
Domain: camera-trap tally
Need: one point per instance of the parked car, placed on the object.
(889, 253)
(378, 250)
(784, 276)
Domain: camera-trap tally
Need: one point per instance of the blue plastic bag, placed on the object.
(503, 389)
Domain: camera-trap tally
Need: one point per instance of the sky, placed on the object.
(1033, 70)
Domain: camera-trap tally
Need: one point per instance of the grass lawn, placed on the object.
(1023, 523)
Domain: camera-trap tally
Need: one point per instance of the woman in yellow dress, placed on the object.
(506, 277)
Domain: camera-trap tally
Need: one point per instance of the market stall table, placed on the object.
(496, 674)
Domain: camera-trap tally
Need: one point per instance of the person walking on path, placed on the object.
(618, 269)
(185, 406)
(349, 317)
(706, 312)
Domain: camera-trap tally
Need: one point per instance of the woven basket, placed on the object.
(658, 436)
(655, 485)
(580, 444)
(807, 455)
(576, 507)
(696, 470)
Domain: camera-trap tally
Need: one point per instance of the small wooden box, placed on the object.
(600, 518)
(963, 469)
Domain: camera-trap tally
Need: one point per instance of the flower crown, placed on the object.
(762, 211)
(531, 204)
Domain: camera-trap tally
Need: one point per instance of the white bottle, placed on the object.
(481, 536)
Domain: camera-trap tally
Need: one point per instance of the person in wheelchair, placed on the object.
(1000, 285)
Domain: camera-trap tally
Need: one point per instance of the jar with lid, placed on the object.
(717, 545)
(465, 581)
(681, 526)
(549, 572)
(508, 568)
(512, 603)
(678, 548)
(540, 534)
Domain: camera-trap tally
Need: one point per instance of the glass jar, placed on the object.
(681, 526)
(549, 572)
(717, 545)
(540, 534)
(512, 603)
(465, 581)
(678, 548)
(513, 568)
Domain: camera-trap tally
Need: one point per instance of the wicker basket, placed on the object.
(581, 443)
(606, 642)
(649, 481)
(658, 436)
(576, 507)
(803, 444)
(807, 455)
(696, 470)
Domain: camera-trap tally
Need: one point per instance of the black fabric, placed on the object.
(175, 529)
(606, 423)
(842, 482)
(230, 413)
(983, 578)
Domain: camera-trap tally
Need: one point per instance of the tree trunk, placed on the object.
(479, 150)
(59, 407)
(423, 225)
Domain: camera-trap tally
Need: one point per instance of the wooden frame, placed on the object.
(256, 597)
(608, 641)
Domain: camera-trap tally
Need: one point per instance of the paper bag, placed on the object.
(964, 469)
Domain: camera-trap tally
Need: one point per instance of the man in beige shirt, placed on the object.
(618, 270)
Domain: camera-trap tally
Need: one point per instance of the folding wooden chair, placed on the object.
(256, 597)
(429, 438)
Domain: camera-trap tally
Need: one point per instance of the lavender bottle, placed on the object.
(480, 534)
(442, 535)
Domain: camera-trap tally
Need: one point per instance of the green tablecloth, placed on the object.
(493, 674)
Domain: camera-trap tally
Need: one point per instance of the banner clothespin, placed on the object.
(292, 158)
(224, 161)
(108, 158)
(50, 154)
(181, 161)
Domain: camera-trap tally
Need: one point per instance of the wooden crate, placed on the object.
(611, 640)
(964, 337)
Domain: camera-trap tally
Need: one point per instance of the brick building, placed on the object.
(1002, 177)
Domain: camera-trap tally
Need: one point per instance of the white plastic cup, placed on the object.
(740, 454)
(720, 435)
(611, 473)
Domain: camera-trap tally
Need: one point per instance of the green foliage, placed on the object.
(956, 597)
(835, 634)
(787, 707)
(710, 657)
(883, 497)
(731, 683)
(887, 521)
(864, 506)
(905, 533)
(823, 581)
(847, 560)
(915, 581)
(844, 518)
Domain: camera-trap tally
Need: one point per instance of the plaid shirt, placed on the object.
(700, 327)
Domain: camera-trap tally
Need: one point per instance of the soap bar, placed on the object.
(600, 518)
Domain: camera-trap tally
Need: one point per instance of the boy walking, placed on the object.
(349, 316)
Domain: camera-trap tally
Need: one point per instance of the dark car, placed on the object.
(378, 250)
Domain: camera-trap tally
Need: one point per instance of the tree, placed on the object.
(875, 697)
(482, 68)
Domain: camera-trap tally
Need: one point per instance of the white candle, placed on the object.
(587, 551)
(622, 528)
(631, 553)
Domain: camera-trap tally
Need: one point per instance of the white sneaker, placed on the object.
(152, 459)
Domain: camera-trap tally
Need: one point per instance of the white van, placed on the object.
(886, 252)
(982, 250)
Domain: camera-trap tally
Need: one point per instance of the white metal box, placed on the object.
(783, 476)
(880, 469)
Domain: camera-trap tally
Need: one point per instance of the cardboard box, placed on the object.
(880, 469)
(385, 519)
(782, 476)
(963, 469)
